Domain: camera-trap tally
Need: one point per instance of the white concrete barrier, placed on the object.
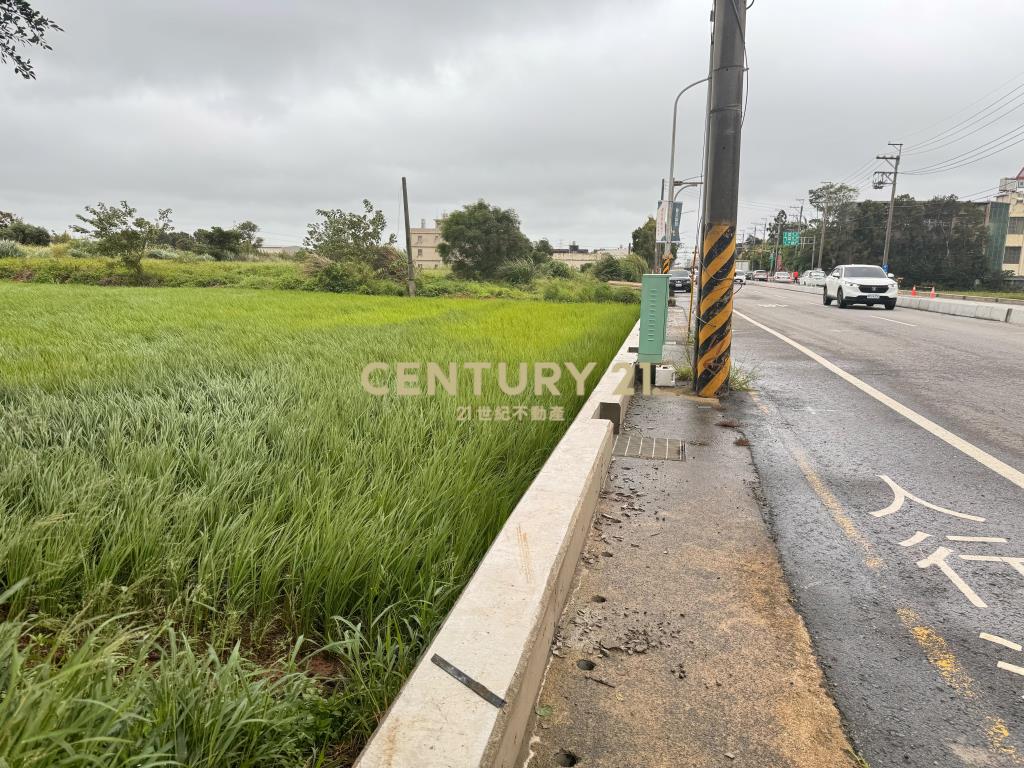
(499, 632)
(972, 309)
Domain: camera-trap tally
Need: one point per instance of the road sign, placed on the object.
(791, 237)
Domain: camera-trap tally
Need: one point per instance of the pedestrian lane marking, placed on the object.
(1001, 641)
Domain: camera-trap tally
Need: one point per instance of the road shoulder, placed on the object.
(680, 644)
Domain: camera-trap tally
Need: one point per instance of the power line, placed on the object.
(957, 140)
(968, 106)
(972, 156)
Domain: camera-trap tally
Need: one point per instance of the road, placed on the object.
(916, 612)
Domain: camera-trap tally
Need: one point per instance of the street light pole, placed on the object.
(670, 197)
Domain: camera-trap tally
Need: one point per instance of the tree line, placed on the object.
(940, 241)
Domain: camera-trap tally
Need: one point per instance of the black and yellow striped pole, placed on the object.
(666, 263)
(713, 347)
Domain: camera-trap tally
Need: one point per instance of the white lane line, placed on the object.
(898, 322)
(980, 539)
(1010, 668)
(1001, 468)
(917, 538)
(1001, 641)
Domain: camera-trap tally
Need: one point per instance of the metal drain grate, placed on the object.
(646, 447)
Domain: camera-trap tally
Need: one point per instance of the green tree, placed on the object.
(21, 26)
(542, 251)
(643, 240)
(480, 238)
(120, 233)
(13, 228)
(344, 236)
(222, 244)
(250, 241)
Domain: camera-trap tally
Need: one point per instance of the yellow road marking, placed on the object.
(998, 734)
(871, 558)
(937, 651)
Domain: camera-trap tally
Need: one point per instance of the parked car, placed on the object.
(860, 284)
(813, 277)
(782, 277)
(749, 276)
(761, 275)
(740, 278)
(680, 280)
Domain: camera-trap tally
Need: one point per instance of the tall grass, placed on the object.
(207, 464)
(42, 267)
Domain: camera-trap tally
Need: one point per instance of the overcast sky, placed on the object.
(227, 110)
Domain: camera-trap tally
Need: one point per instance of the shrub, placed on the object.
(518, 272)
(559, 269)
(338, 276)
(9, 249)
(161, 253)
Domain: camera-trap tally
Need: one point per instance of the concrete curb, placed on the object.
(499, 632)
(972, 309)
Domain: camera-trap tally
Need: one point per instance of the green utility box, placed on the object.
(653, 317)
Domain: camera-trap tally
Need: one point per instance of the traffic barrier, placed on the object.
(977, 310)
(913, 291)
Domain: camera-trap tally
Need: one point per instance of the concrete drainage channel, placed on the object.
(977, 310)
(469, 702)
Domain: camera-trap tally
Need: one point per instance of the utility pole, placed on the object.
(408, 240)
(721, 188)
(821, 243)
(889, 177)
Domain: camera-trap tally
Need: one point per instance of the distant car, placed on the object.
(860, 284)
(749, 276)
(782, 277)
(680, 280)
(740, 278)
(761, 275)
(813, 277)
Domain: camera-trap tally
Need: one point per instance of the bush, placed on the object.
(518, 272)
(629, 268)
(559, 269)
(11, 250)
(338, 276)
(161, 253)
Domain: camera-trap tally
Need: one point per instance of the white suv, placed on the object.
(860, 284)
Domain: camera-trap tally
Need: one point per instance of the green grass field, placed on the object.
(216, 549)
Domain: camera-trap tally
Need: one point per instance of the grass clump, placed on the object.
(196, 484)
(741, 379)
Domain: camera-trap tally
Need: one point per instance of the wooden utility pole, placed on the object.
(411, 284)
(713, 350)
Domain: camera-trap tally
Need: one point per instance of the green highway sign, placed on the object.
(791, 237)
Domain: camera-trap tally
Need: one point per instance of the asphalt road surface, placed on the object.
(890, 458)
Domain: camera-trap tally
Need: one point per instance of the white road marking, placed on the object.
(900, 496)
(917, 538)
(982, 539)
(938, 559)
(1010, 668)
(1001, 641)
(898, 322)
(1017, 563)
(1001, 468)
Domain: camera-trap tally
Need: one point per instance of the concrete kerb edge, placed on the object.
(499, 631)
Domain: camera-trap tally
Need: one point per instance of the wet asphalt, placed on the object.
(900, 644)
